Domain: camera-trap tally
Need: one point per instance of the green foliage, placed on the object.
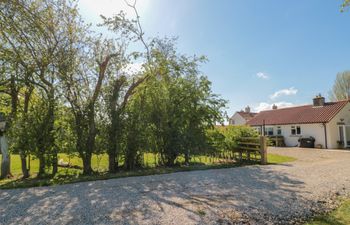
(232, 133)
(65, 175)
(177, 105)
(345, 5)
(67, 90)
(340, 216)
(341, 87)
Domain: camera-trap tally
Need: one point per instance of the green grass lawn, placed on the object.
(341, 216)
(278, 159)
(100, 165)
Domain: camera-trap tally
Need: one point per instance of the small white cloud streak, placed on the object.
(262, 106)
(262, 75)
(284, 92)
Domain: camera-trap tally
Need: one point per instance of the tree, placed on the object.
(66, 89)
(178, 103)
(345, 4)
(123, 84)
(341, 87)
(82, 87)
(36, 32)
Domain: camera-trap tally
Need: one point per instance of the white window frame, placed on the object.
(269, 129)
(295, 128)
(279, 130)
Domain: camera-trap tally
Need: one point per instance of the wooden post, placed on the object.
(276, 145)
(240, 155)
(263, 150)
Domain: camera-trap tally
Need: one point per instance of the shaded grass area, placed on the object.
(100, 165)
(340, 216)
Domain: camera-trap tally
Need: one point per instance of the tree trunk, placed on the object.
(112, 149)
(25, 170)
(22, 152)
(29, 162)
(112, 165)
(46, 139)
(87, 169)
(187, 158)
(82, 143)
(5, 162)
(50, 139)
(90, 142)
(113, 145)
(171, 159)
(54, 162)
(114, 129)
(130, 159)
(41, 165)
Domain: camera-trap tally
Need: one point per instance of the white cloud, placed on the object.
(262, 75)
(268, 106)
(284, 92)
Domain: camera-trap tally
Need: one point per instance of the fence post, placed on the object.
(240, 157)
(263, 150)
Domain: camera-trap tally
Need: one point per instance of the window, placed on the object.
(258, 129)
(269, 131)
(296, 130)
(279, 131)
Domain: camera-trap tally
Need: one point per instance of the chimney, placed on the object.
(319, 101)
(247, 109)
(274, 107)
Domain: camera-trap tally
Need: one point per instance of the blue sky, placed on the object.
(260, 52)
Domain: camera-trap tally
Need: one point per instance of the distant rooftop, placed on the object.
(247, 115)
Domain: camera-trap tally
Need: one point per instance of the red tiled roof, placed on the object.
(247, 115)
(298, 115)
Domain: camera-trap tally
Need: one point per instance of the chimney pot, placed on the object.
(274, 107)
(247, 109)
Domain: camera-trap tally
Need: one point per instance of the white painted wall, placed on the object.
(238, 120)
(307, 130)
(333, 127)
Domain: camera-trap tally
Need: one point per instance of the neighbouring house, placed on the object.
(242, 117)
(327, 122)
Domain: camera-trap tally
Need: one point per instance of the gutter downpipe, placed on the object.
(325, 135)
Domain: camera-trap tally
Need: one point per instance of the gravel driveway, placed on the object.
(270, 194)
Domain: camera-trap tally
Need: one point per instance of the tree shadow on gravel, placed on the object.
(211, 196)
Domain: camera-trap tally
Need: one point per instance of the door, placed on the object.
(347, 136)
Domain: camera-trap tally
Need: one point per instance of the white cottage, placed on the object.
(328, 123)
(242, 117)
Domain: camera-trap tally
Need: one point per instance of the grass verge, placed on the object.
(340, 216)
(66, 176)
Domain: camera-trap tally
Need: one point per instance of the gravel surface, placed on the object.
(274, 194)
